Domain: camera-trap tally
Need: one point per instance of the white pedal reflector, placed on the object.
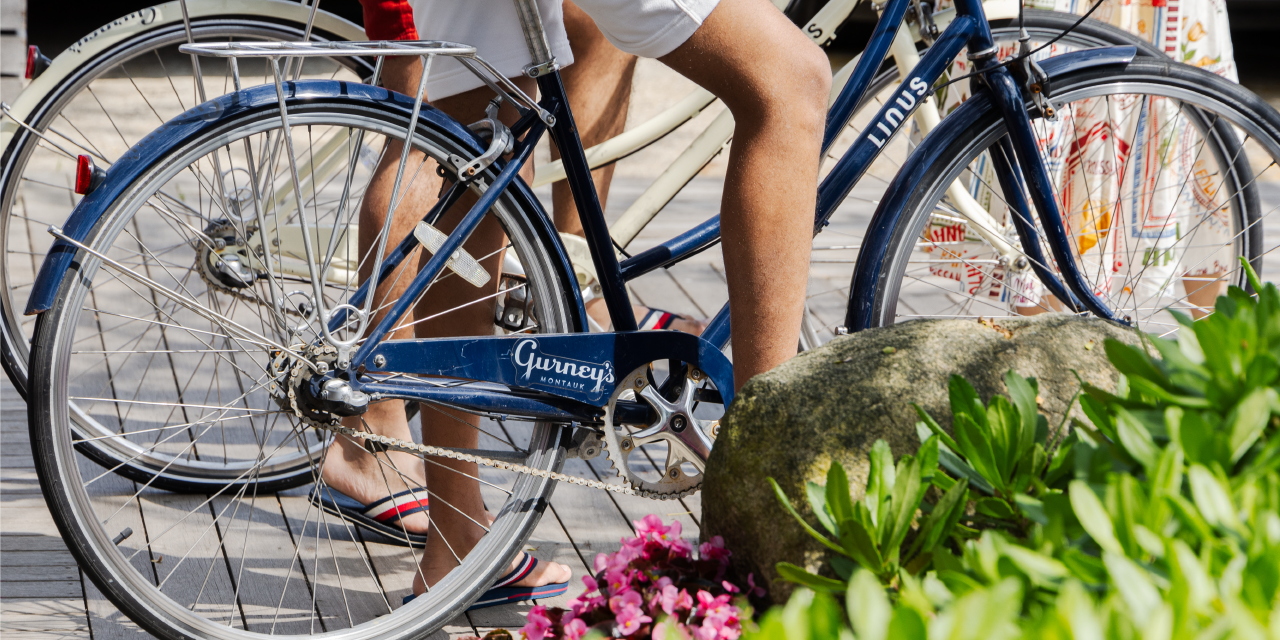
(460, 262)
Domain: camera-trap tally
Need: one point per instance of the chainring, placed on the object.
(688, 439)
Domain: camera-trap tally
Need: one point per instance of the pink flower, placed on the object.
(539, 625)
(586, 601)
(716, 607)
(618, 580)
(729, 586)
(671, 599)
(714, 550)
(650, 525)
(632, 548)
(714, 629)
(651, 528)
(631, 618)
(575, 629)
(708, 631)
(680, 547)
(754, 591)
(601, 562)
(628, 599)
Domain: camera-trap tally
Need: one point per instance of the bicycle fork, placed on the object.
(1025, 162)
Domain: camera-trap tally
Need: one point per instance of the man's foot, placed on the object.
(359, 476)
(655, 318)
(382, 516)
(537, 573)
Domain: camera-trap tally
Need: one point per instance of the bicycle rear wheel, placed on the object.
(199, 380)
(107, 103)
(1158, 168)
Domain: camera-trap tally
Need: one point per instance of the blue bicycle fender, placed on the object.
(868, 273)
(215, 113)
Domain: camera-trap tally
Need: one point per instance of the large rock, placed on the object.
(833, 403)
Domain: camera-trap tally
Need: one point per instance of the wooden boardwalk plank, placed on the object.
(259, 552)
(336, 563)
(16, 560)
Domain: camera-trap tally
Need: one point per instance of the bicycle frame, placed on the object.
(502, 389)
(968, 30)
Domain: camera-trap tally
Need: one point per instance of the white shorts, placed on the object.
(648, 28)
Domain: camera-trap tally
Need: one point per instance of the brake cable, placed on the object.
(1021, 55)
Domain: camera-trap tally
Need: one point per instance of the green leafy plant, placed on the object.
(873, 532)
(1156, 517)
(1005, 450)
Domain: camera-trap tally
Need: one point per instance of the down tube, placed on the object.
(892, 115)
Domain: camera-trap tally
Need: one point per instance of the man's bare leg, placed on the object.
(348, 467)
(599, 88)
(775, 82)
(457, 511)
(458, 515)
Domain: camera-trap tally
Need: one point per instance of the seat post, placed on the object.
(536, 37)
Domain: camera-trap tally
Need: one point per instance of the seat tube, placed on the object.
(536, 37)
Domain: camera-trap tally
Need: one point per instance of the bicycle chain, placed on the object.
(396, 444)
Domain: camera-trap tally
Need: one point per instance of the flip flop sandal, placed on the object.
(658, 319)
(501, 593)
(381, 517)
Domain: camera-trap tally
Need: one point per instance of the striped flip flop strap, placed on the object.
(525, 567)
(657, 319)
(399, 505)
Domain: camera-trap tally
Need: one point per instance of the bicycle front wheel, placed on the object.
(189, 366)
(1158, 169)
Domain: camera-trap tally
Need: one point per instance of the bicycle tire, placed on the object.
(1215, 107)
(14, 350)
(78, 511)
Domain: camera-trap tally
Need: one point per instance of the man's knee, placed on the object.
(811, 80)
(794, 87)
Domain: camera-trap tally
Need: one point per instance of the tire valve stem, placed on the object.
(122, 536)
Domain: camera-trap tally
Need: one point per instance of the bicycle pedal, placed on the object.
(460, 262)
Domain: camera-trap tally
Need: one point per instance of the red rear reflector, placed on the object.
(84, 174)
(36, 63)
(32, 54)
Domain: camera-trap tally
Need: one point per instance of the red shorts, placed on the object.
(389, 20)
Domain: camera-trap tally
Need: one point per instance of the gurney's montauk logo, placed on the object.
(893, 117)
(535, 367)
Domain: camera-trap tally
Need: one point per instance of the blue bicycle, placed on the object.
(214, 298)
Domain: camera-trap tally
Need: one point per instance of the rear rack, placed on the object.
(427, 50)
